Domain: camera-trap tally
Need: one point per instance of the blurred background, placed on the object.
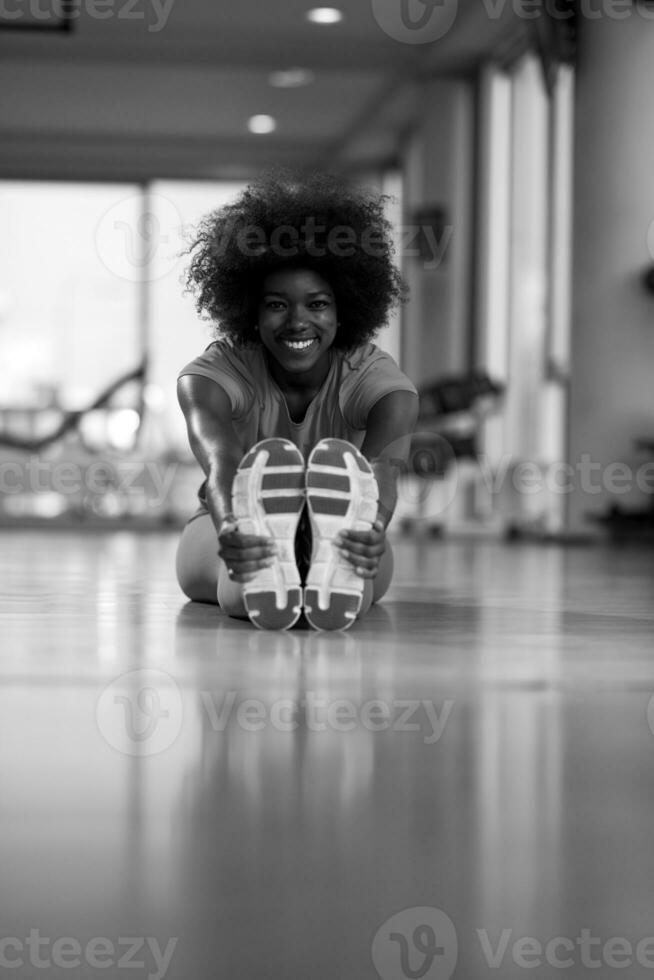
(516, 142)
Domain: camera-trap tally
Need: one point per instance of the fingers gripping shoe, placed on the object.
(342, 494)
(267, 498)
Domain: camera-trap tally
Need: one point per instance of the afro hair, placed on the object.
(288, 219)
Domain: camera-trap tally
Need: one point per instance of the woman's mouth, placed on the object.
(299, 345)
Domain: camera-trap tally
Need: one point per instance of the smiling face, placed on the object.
(297, 325)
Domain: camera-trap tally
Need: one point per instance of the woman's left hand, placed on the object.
(363, 549)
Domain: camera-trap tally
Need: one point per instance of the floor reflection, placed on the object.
(479, 744)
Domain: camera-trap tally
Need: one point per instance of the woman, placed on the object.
(298, 421)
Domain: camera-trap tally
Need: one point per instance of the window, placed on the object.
(91, 284)
(522, 326)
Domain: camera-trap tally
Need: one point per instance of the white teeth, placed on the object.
(298, 344)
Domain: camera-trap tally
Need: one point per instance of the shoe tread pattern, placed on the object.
(342, 494)
(267, 499)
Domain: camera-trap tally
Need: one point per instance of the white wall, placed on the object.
(612, 390)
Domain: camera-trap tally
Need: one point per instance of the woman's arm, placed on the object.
(391, 422)
(386, 446)
(216, 446)
(213, 439)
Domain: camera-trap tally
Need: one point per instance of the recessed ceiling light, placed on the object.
(291, 77)
(325, 15)
(261, 124)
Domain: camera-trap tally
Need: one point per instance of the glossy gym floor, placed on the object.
(461, 785)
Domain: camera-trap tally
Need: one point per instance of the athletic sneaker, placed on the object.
(342, 494)
(267, 498)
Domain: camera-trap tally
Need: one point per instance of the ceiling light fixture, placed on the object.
(325, 15)
(291, 78)
(262, 124)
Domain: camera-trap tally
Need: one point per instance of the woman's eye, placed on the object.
(319, 304)
(274, 304)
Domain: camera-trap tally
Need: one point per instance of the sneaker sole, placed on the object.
(341, 494)
(267, 499)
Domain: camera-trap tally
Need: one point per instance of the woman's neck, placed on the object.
(302, 382)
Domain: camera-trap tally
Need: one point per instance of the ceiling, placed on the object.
(170, 84)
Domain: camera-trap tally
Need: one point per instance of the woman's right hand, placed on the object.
(244, 554)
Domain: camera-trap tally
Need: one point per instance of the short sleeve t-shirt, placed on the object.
(355, 382)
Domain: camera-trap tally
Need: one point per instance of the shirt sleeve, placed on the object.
(223, 364)
(371, 374)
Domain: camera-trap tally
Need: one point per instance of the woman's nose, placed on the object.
(298, 318)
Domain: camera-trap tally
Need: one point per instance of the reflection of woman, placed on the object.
(298, 275)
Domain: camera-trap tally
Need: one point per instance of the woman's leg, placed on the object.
(201, 574)
(203, 577)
